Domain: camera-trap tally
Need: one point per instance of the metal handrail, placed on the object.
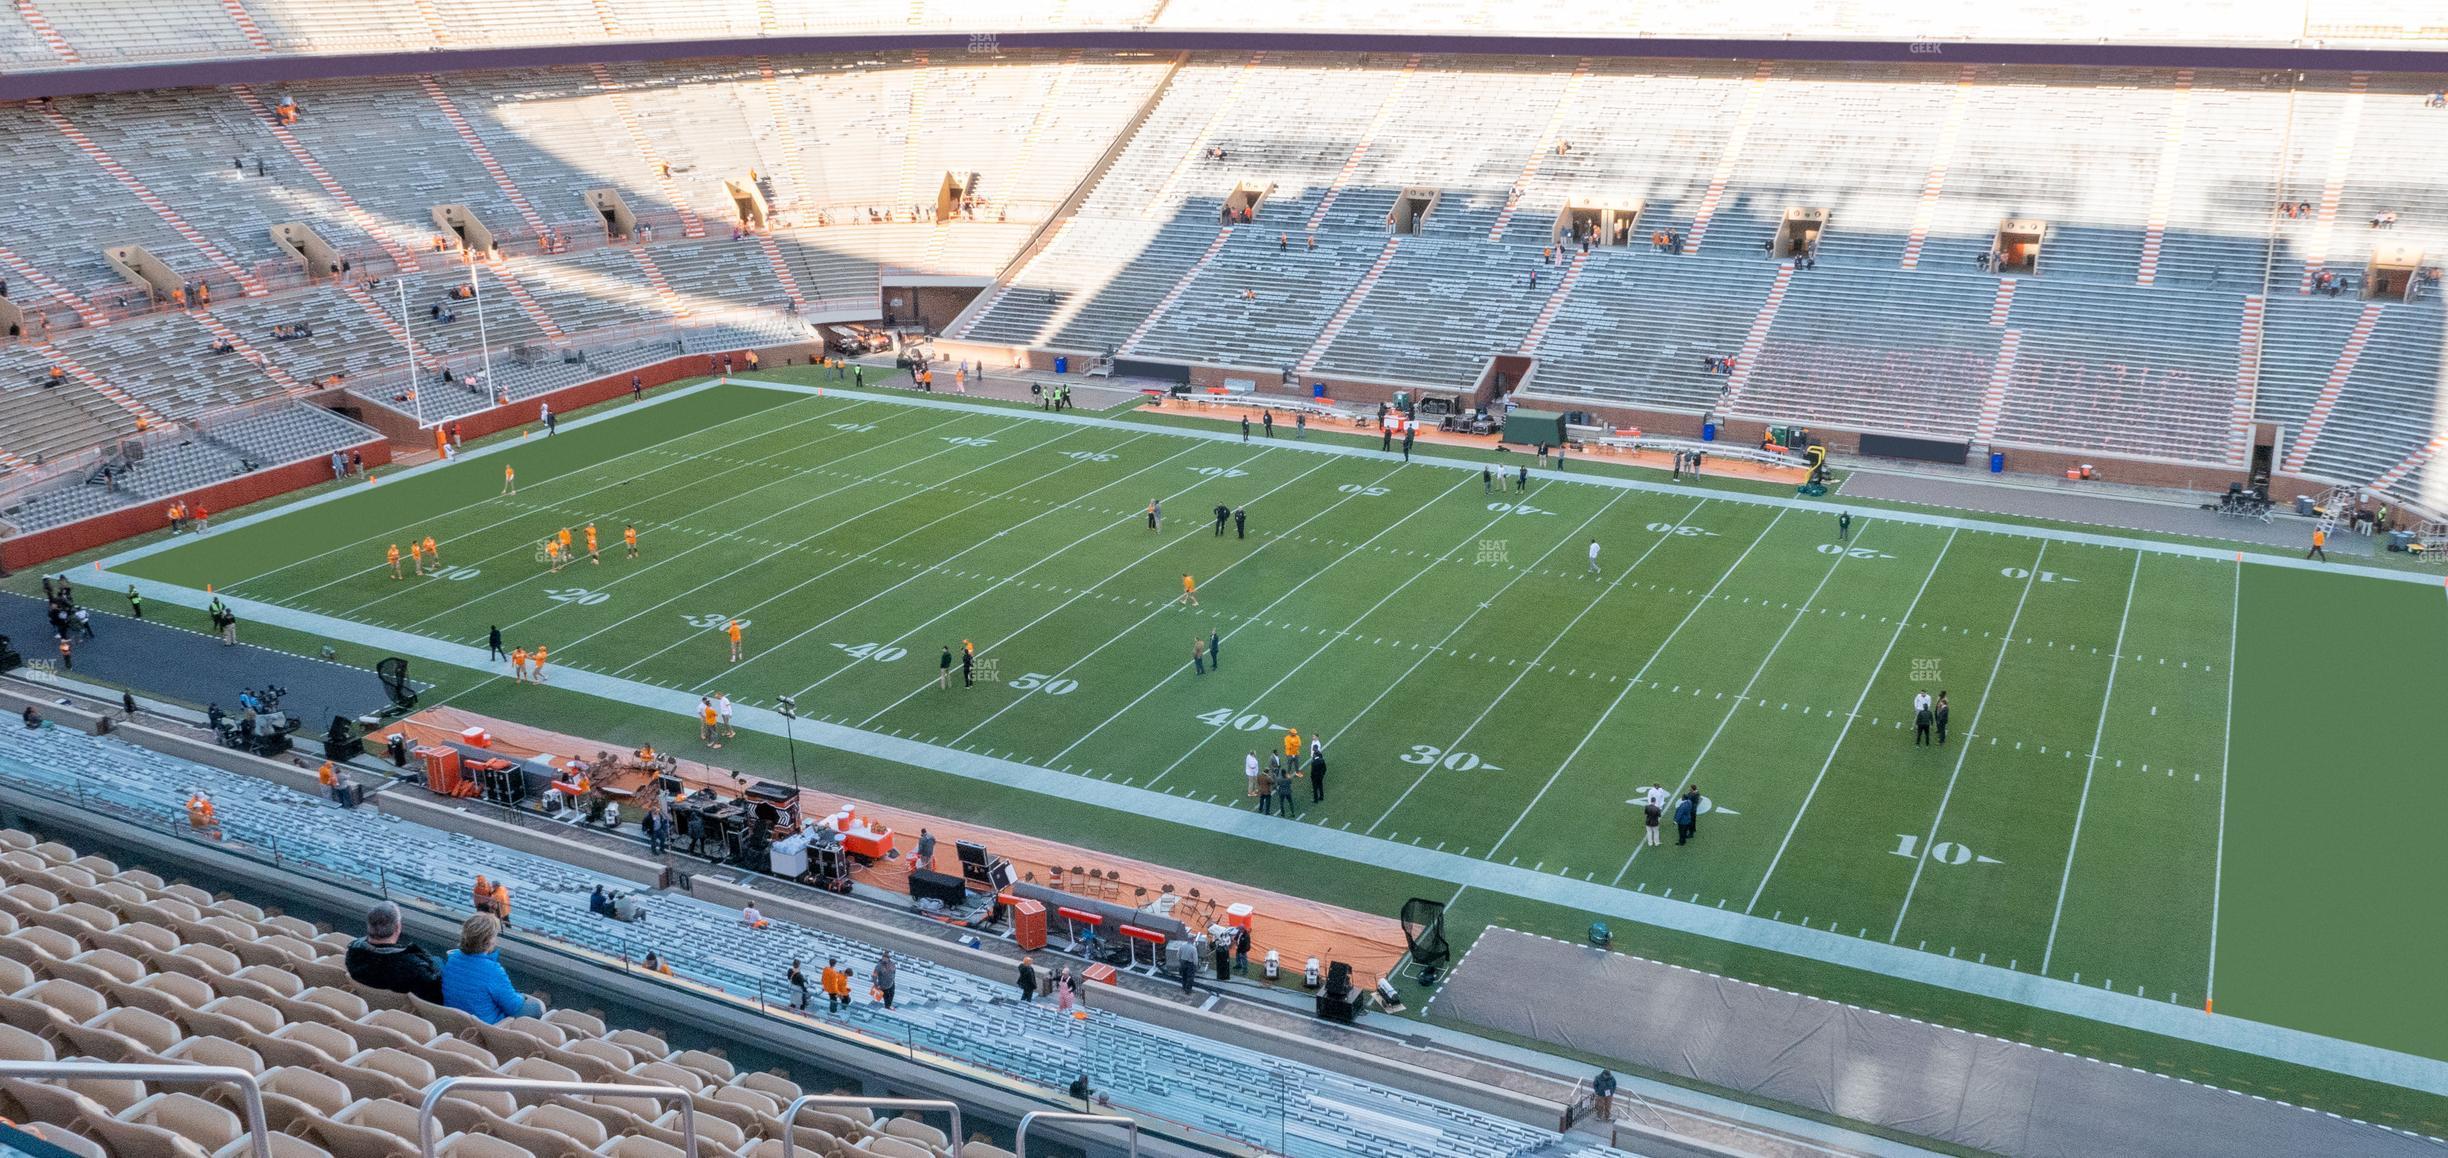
(434, 1093)
(1020, 1136)
(257, 1134)
(790, 1114)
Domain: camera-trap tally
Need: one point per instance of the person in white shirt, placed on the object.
(1656, 795)
(1249, 772)
(1921, 700)
(722, 711)
(752, 918)
(1593, 556)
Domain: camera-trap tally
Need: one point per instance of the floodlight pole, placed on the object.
(484, 344)
(416, 401)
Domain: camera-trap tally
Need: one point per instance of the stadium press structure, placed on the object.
(2096, 309)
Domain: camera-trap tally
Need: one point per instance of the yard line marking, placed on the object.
(710, 541)
(782, 548)
(1288, 593)
(1691, 773)
(1484, 604)
(1921, 862)
(1660, 650)
(1345, 632)
(503, 448)
(1841, 733)
(529, 547)
(1089, 591)
(2084, 801)
(2218, 855)
(922, 573)
(1073, 665)
(524, 510)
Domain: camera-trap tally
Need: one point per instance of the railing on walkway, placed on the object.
(1020, 1136)
(257, 1135)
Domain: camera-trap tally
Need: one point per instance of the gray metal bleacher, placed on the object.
(1281, 1105)
(217, 451)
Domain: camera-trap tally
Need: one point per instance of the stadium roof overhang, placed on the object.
(275, 69)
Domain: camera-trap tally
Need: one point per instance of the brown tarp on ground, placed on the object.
(1965, 1089)
(1299, 929)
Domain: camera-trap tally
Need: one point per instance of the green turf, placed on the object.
(1487, 695)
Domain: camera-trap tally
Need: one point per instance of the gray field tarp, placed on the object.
(1962, 1088)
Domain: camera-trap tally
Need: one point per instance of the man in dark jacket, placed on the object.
(380, 960)
(1028, 979)
(1687, 815)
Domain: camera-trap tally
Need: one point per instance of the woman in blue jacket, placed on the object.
(473, 980)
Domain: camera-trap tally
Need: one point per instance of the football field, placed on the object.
(2171, 778)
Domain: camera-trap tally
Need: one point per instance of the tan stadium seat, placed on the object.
(277, 1145)
(412, 1071)
(15, 839)
(710, 1128)
(141, 879)
(91, 914)
(475, 1054)
(985, 1150)
(55, 852)
(386, 1115)
(336, 939)
(260, 1017)
(539, 1070)
(478, 1146)
(38, 945)
(187, 1116)
(184, 988)
(612, 1056)
(756, 1101)
(78, 1002)
(319, 1037)
(302, 930)
(646, 1046)
(665, 1073)
(167, 908)
(111, 963)
(319, 1090)
(232, 929)
(638, 1147)
(28, 898)
(537, 1028)
(216, 1051)
(243, 910)
(342, 1140)
(779, 1088)
(213, 960)
(402, 1021)
(15, 975)
(716, 1069)
(202, 900)
(98, 866)
(301, 948)
(578, 1025)
(348, 1004)
(582, 1131)
(138, 939)
(150, 1030)
(271, 977)
(912, 1130)
(889, 1147)
(20, 1045)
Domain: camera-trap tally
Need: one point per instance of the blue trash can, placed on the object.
(1062, 365)
(1997, 462)
(1708, 432)
(1317, 390)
